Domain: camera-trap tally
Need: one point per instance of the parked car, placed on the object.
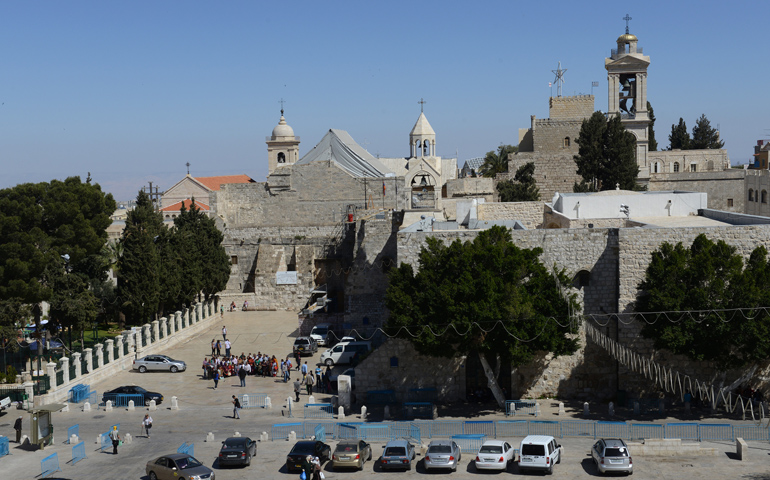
(494, 455)
(237, 451)
(397, 454)
(112, 395)
(351, 453)
(442, 454)
(612, 455)
(305, 346)
(5, 403)
(322, 333)
(344, 352)
(159, 362)
(178, 466)
(304, 448)
(539, 452)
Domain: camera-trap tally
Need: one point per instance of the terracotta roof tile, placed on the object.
(178, 206)
(213, 183)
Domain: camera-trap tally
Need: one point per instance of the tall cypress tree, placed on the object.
(704, 136)
(606, 155)
(679, 137)
(652, 143)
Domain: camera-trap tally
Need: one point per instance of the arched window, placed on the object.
(281, 157)
(656, 167)
(764, 196)
(566, 142)
(676, 166)
(425, 148)
(751, 194)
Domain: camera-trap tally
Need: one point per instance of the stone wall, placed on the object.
(553, 172)
(577, 106)
(707, 160)
(756, 182)
(725, 188)
(530, 214)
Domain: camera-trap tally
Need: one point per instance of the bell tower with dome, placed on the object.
(282, 146)
(627, 78)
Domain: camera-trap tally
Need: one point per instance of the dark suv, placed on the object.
(305, 346)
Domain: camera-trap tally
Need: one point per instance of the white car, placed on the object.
(539, 452)
(494, 455)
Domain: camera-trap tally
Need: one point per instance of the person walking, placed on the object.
(227, 348)
(115, 437)
(147, 424)
(242, 376)
(17, 427)
(304, 368)
(236, 407)
(219, 348)
(319, 379)
(297, 359)
(222, 311)
(224, 332)
(288, 368)
(216, 378)
(213, 346)
(309, 382)
(297, 389)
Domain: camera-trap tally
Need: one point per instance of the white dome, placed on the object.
(282, 129)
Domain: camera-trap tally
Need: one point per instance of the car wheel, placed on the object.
(559, 460)
(142, 369)
(550, 470)
(174, 369)
(329, 362)
(370, 455)
(248, 462)
(153, 476)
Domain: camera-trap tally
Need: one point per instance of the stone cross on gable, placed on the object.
(627, 18)
(421, 102)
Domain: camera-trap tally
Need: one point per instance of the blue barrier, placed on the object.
(512, 428)
(104, 438)
(93, 399)
(418, 410)
(377, 431)
(408, 430)
(4, 446)
(640, 431)
(320, 433)
(545, 427)
(79, 452)
(524, 407)
(715, 431)
(282, 430)
(78, 393)
(751, 432)
(73, 430)
(469, 442)
(122, 399)
(348, 431)
(330, 428)
(483, 427)
(319, 410)
(685, 431)
(445, 428)
(187, 448)
(49, 465)
(252, 400)
(611, 430)
(577, 428)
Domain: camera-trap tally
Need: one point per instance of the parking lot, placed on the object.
(203, 410)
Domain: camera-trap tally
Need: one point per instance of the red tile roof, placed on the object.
(213, 183)
(178, 206)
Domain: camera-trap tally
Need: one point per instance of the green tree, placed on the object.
(489, 298)
(704, 277)
(497, 162)
(606, 155)
(73, 304)
(704, 136)
(522, 188)
(652, 143)
(679, 137)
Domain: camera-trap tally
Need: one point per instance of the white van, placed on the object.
(343, 352)
(321, 332)
(539, 452)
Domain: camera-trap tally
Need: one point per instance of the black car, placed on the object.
(237, 451)
(304, 448)
(119, 400)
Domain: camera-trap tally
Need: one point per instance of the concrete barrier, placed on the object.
(292, 436)
(742, 449)
(209, 437)
(263, 437)
(131, 406)
(174, 403)
(153, 406)
(87, 407)
(108, 406)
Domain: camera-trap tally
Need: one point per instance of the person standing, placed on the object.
(242, 376)
(224, 332)
(304, 368)
(309, 381)
(288, 368)
(319, 379)
(219, 348)
(227, 348)
(115, 437)
(213, 347)
(17, 427)
(222, 311)
(216, 378)
(297, 389)
(147, 424)
(236, 407)
(297, 359)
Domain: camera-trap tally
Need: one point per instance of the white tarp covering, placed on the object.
(338, 146)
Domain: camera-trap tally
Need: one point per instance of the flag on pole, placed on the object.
(383, 188)
(549, 84)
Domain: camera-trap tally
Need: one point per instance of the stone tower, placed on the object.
(282, 146)
(627, 78)
(422, 139)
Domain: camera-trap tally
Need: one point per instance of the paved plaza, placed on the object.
(203, 409)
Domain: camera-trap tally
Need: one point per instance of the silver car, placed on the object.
(442, 454)
(177, 466)
(159, 362)
(612, 455)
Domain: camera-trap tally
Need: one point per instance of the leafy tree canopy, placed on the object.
(497, 162)
(522, 188)
(708, 276)
(679, 137)
(606, 155)
(490, 281)
(704, 136)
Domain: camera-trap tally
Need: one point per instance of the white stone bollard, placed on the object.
(289, 402)
(108, 406)
(292, 436)
(131, 406)
(586, 410)
(209, 437)
(127, 439)
(636, 408)
(386, 414)
(363, 412)
(612, 409)
(66, 407)
(174, 403)
(237, 434)
(561, 409)
(341, 412)
(311, 399)
(74, 440)
(153, 406)
(537, 410)
(268, 402)
(98, 439)
(263, 437)
(87, 407)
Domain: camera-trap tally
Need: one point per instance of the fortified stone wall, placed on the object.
(556, 136)
(757, 185)
(577, 106)
(530, 214)
(725, 189)
(553, 172)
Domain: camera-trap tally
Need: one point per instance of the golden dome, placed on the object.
(627, 37)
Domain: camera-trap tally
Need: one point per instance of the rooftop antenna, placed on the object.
(559, 80)
(421, 102)
(627, 19)
(188, 167)
(282, 101)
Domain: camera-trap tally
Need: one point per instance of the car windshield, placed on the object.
(232, 443)
(491, 449)
(301, 341)
(615, 452)
(302, 449)
(320, 330)
(395, 452)
(533, 450)
(138, 389)
(187, 462)
(440, 449)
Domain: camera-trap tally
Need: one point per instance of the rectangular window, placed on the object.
(729, 202)
(693, 167)
(234, 260)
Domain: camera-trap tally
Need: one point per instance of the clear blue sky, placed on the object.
(131, 91)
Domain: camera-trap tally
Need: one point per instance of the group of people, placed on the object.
(311, 467)
(309, 378)
(221, 366)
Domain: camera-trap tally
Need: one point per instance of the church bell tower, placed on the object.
(282, 146)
